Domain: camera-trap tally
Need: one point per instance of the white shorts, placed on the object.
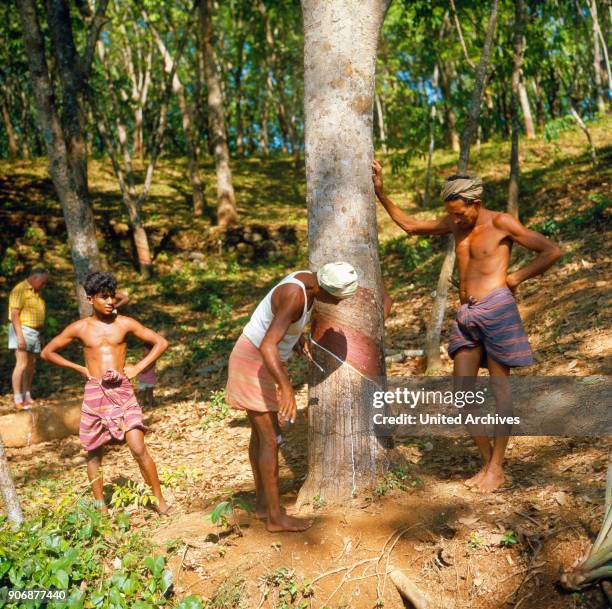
(31, 336)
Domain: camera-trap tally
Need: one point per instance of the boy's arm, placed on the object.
(439, 226)
(548, 252)
(158, 342)
(50, 352)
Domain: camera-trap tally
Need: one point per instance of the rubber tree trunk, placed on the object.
(8, 127)
(380, 116)
(9, 494)
(526, 108)
(340, 40)
(597, 33)
(65, 147)
(517, 62)
(432, 138)
(226, 200)
(434, 327)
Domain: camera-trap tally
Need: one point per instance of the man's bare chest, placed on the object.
(100, 335)
(482, 244)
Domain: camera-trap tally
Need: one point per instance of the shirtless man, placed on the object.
(110, 411)
(488, 331)
(257, 374)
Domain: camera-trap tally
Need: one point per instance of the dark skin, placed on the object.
(483, 244)
(288, 307)
(104, 338)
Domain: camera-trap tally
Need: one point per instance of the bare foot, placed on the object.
(476, 479)
(163, 509)
(491, 481)
(285, 522)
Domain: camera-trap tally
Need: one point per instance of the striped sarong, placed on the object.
(492, 322)
(250, 386)
(110, 409)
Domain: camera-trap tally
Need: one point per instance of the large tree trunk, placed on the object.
(226, 200)
(11, 500)
(340, 40)
(517, 62)
(8, 127)
(434, 328)
(526, 108)
(65, 150)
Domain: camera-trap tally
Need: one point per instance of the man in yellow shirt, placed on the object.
(26, 320)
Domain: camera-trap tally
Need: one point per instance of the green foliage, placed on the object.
(228, 596)
(225, 510)
(407, 254)
(475, 541)
(553, 128)
(288, 593)
(509, 539)
(180, 476)
(399, 478)
(71, 545)
(217, 409)
(137, 494)
(9, 262)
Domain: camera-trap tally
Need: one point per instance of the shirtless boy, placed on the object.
(488, 331)
(110, 411)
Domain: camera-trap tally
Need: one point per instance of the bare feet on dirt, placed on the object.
(477, 478)
(261, 512)
(284, 522)
(491, 481)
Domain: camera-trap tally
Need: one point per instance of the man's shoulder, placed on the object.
(502, 220)
(126, 321)
(19, 287)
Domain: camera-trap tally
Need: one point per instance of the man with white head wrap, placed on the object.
(488, 331)
(258, 381)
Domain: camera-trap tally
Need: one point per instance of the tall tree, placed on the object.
(226, 200)
(517, 61)
(340, 41)
(65, 138)
(7, 486)
(434, 328)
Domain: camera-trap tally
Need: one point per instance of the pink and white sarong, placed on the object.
(110, 409)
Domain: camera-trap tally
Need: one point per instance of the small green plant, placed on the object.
(132, 493)
(398, 478)
(217, 409)
(225, 510)
(509, 539)
(288, 592)
(228, 596)
(178, 476)
(475, 541)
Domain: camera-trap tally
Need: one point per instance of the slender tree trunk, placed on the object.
(24, 141)
(540, 114)
(434, 328)
(9, 493)
(264, 137)
(526, 108)
(585, 130)
(381, 123)
(8, 127)
(432, 138)
(597, 34)
(187, 120)
(226, 200)
(344, 455)
(65, 150)
(450, 119)
(517, 62)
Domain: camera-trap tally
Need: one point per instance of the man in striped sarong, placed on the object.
(110, 411)
(488, 331)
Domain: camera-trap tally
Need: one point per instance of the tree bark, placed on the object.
(340, 40)
(517, 62)
(526, 108)
(598, 39)
(434, 328)
(9, 494)
(65, 150)
(11, 141)
(226, 200)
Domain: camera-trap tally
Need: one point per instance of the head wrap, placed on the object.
(338, 278)
(466, 186)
